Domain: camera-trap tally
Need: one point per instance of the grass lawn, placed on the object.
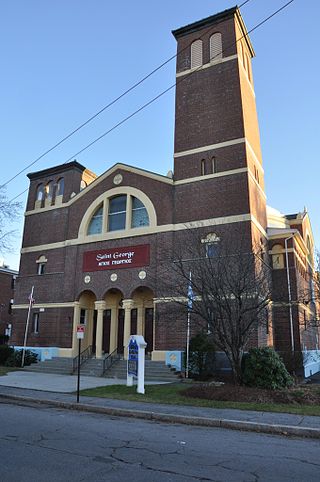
(173, 394)
(5, 370)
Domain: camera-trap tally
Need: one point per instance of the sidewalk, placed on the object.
(267, 422)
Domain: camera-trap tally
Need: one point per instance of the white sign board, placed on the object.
(80, 332)
(135, 366)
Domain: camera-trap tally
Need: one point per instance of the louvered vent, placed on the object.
(196, 54)
(215, 47)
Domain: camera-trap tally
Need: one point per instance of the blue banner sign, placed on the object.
(133, 358)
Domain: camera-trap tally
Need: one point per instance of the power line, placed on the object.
(167, 89)
(103, 109)
(171, 87)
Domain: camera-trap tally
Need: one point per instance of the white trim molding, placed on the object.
(147, 231)
(219, 145)
(213, 63)
(68, 304)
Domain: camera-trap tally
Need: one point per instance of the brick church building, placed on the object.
(91, 243)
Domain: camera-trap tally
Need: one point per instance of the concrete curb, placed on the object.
(286, 430)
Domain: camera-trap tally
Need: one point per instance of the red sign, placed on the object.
(116, 258)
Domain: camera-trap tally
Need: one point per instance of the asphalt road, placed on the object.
(40, 444)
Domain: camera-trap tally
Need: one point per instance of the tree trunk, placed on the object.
(235, 362)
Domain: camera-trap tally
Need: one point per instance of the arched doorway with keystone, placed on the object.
(109, 324)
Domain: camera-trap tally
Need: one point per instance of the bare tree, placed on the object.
(231, 286)
(9, 212)
(308, 294)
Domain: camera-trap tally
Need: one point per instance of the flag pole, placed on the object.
(27, 326)
(188, 343)
(190, 302)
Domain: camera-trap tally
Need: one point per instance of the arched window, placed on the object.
(60, 187)
(139, 215)
(277, 257)
(39, 193)
(211, 243)
(123, 211)
(196, 54)
(215, 47)
(41, 264)
(203, 167)
(95, 225)
(83, 185)
(117, 213)
(213, 164)
(49, 190)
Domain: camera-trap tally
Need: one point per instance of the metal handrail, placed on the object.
(109, 360)
(84, 356)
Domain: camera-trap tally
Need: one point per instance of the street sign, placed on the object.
(80, 332)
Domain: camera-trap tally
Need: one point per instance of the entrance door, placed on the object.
(120, 330)
(148, 331)
(106, 330)
(134, 317)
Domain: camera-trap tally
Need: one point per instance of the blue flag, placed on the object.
(190, 293)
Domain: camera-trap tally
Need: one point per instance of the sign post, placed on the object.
(80, 336)
(31, 301)
(136, 361)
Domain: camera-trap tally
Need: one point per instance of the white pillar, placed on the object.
(127, 305)
(100, 306)
(76, 320)
(113, 328)
(140, 320)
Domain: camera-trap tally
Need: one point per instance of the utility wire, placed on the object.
(182, 79)
(103, 109)
(166, 90)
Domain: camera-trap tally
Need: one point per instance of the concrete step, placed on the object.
(58, 371)
(59, 365)
(156, 371)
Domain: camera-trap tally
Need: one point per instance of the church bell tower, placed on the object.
(217, 142)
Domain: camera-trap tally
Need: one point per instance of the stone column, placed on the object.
(127, 305)
(113, 328)
(76, 320)
(100, 306)
(140, 319)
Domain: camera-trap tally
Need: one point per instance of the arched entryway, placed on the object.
(113, 322)
(116, 318)
(85, 315)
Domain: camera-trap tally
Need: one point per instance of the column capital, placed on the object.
(127, 304)
(100, 305)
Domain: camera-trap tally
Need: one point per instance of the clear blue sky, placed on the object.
(61, 61)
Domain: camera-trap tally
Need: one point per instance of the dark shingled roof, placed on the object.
(56, 169)
(204, 22)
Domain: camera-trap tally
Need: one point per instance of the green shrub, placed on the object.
(201, 356)
(263, 368)
(3, 339)
(15, 358)
(5, 352)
